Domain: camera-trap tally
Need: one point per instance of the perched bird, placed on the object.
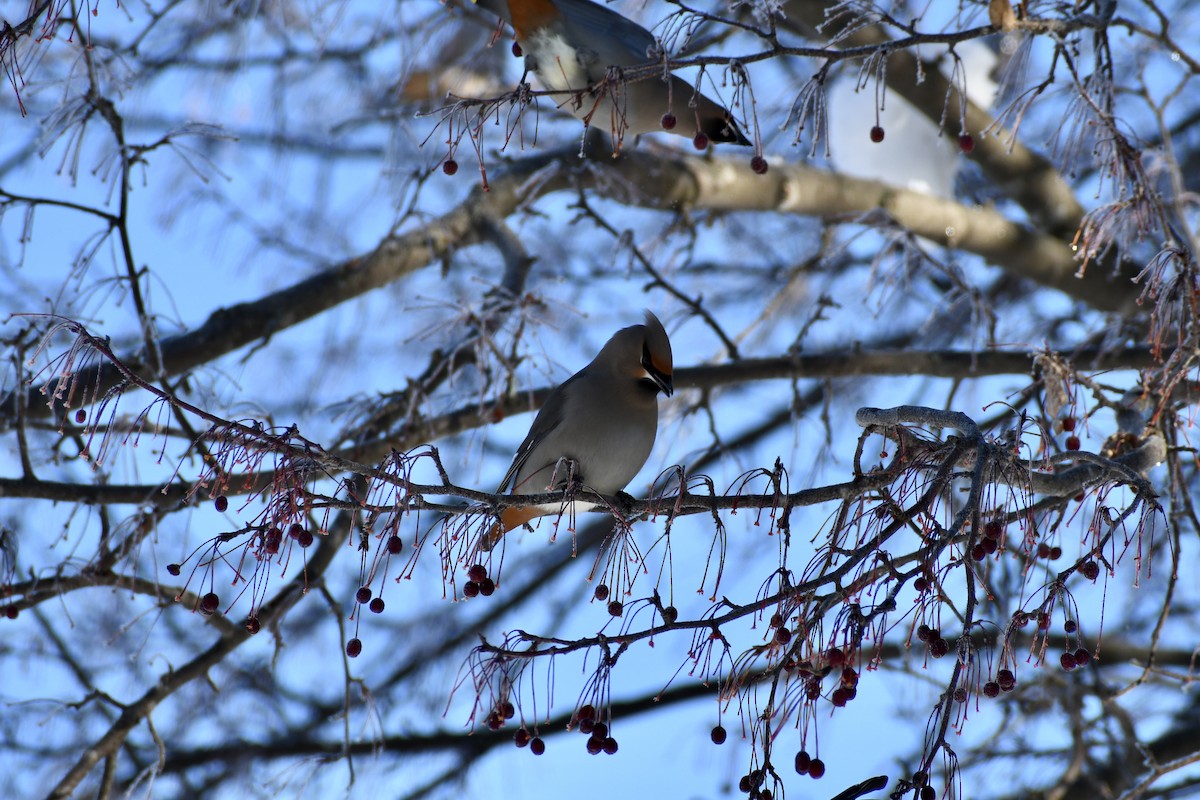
(597, 428)
(571, 45)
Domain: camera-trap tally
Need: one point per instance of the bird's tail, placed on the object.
(509, 518)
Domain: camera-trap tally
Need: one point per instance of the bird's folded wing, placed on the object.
(595, 20)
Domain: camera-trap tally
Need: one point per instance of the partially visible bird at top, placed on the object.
(597, 428)
(573, 45)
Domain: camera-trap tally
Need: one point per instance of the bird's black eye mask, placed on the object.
(655, 377)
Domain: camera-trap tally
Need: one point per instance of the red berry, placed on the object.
(304, 539)
(80, 416)
(921, 585)
(939, 647)
(668, 121)
(508, 710)
(783, 636)
(776, 620)
(1006, 679)
(601, 592)
(1043, 621)
(516, 50)
(876, 134)
(1082, 657)
(816, 769)
(537, 746)
(1067, 660)
(700, 142)
(354, 648)
(394, 545)
(991, 689)
(924, 632)
(600, 730)
(477, 572)
(1068, 424)
(449, 166)
(978, 553)
(377, 605)
(587, 725)
(849, 677)
(586, 711)
(610, 745)
(670, 614)
(1090, 570)
(494, 721)
(803, 762)
(1043, 550)
(253, 626)
(928, 793)
(960, 695)
(1055, 553)
(470, 589)
(759, 165)
(11, 612)
(920, 778)
(174, 569)
(1070, 626)
(744, 784)
(835, 657)
(989, 545)
(209, 603)
(594, 745)
(839, 697)
(221, 503)
(615, 608)
(1072, 442)
(522, 737)
(363, 594)
(993, 529)
(966, 142)
(718, 735)
(487, 587)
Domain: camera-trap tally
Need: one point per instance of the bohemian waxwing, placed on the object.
(571, 44)
(597, 428)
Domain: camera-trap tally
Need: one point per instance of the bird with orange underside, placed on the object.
(597, 428)
(574, 45)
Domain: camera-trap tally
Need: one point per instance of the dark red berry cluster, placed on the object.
(1080, 658)
(599, 740)
(478, 582)
(932, 637)
(807, 765)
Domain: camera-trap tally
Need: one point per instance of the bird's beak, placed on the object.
(662, 381)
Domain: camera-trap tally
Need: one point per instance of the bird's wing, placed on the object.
(599, 22)
(549, 418)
